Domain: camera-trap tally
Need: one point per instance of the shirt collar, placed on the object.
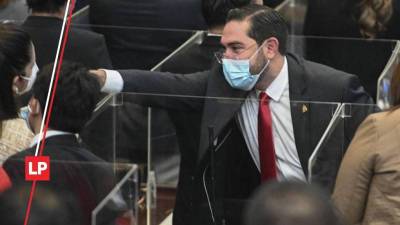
(49, 133)
(278, 85)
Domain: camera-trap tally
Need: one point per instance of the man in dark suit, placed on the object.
(199, 57)
(44, 26)
(254, 62)
(74, 171)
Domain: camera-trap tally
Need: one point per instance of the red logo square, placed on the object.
(37, 168)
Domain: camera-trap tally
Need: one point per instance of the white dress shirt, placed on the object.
(49, 133)
(287, 159)
(288, 162)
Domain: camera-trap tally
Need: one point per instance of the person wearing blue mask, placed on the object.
(264, 134)
(18, 73)
(18, 68)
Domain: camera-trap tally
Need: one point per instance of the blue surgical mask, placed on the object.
(24, 114)
(237, 73)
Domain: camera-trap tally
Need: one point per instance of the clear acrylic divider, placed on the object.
(321, 132)
(150, 138)
(136, 47)
(122, 202)
(87, 190)
(372, 61)
(332, 146)
(384, 100)
(294, 11)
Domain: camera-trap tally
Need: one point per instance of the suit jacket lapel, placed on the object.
(221, 105)
(300, 109)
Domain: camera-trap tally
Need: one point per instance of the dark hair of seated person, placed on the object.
(290, 203)
(15, 55)
(75, 99)
(215, 11)
(46, 6)
(48, 207)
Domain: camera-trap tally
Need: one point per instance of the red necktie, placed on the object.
(265, 140)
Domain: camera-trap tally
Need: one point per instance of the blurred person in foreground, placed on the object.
(48, 207)
(367, 187)
(290, 203)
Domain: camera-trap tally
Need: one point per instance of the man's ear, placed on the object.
(271, 47)
(35, 106)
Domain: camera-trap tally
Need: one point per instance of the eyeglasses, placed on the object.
(236, 51)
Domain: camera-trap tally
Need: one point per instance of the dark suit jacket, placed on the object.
(141, 33)
(83, 46)
(235, 173)
(199, 57)
(74, 171)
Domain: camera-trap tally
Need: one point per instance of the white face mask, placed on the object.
(31, 80)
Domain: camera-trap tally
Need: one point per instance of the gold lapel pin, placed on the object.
(304, 109)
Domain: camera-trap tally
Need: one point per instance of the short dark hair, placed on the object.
(75, 99)
(48, 206)
(15, 55)
(48, 6)
(264, 23)
(290, 203)
(216, 11)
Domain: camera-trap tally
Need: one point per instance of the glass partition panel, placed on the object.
(82, 189)
(294, 11)
(372, 61)
(384, 99)
(332, 146)
(140, 13)
(332, 37)
(120, 123)
(122, 201)
(136, 47)
(181, 171)
(81, 14)
(367, 59)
